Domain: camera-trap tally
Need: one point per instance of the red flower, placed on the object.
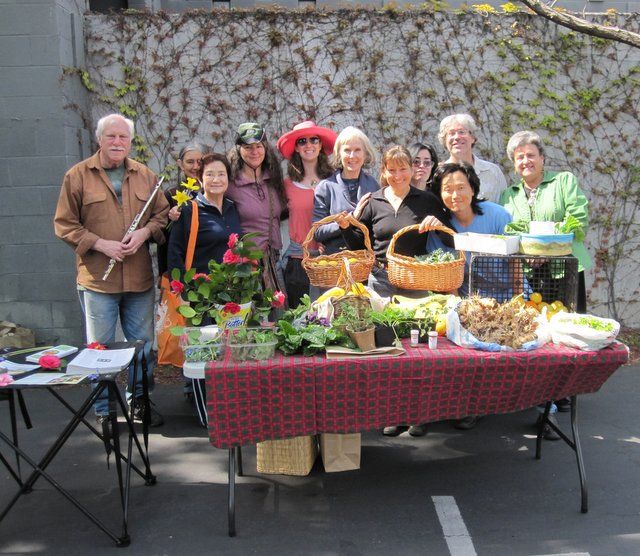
(231, 308)
(176, 286)
(202, 275)
(96, 345)
(230, 257)
(278, 300)
(50, 362)
(233, 239)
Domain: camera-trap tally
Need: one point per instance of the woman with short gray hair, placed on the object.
(546, 196)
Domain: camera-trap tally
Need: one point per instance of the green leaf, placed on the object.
(175, 274)
(186, 311)
(192, 296)
(177, 330)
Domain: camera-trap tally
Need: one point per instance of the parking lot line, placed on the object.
(453, 527)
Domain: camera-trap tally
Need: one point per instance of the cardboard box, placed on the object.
(487, 243)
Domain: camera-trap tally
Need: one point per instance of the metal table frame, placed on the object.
(111, 440)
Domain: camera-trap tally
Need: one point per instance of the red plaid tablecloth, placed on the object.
(294, 396)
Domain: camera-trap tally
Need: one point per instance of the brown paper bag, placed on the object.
(340, 452)
(14, 336)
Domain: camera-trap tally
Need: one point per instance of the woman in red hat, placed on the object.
(306, 148)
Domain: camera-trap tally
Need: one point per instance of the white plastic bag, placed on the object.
(566, 329)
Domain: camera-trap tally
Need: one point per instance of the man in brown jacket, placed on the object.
(99, 199)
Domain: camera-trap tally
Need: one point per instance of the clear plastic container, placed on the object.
(202, 343)
(251, 343)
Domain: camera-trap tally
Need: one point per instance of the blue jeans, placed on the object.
(136, 313)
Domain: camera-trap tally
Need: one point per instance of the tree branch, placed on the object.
(582, 25)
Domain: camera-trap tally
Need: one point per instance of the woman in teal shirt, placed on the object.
(546, 196)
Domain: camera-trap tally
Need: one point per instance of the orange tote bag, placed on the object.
(167, 316)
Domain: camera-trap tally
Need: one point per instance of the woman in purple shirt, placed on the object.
(257, 190)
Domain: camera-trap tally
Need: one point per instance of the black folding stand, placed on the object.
(573, 444)
(110, 440)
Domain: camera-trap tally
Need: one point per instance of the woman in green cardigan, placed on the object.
(546, 196)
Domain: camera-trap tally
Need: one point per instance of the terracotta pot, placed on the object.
(365, 339)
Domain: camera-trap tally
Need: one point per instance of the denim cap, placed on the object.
(250, 132)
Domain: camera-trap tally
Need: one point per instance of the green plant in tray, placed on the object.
(252, 344)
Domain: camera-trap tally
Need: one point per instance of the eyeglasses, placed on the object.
(458, 132)
(303, 141)
(423, 162)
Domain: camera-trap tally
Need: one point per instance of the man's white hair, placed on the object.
(102, 123)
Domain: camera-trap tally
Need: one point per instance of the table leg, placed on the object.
(584, 500)
(239, 460)
(545, 415)
(232, 493)
(147, 476)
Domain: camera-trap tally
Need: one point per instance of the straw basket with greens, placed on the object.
(410, 274)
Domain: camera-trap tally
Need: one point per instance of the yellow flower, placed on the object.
(191, 184)
(509, 8)
(484, 8)
(181, 197)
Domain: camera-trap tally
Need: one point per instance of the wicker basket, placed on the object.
(324, 270)
(291, 456)
(410, 274)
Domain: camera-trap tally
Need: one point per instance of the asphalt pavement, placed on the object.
(449, 493)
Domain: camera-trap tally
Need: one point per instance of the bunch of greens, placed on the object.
(569, 225)
(594, 323)
(437, 256)
(308, 339)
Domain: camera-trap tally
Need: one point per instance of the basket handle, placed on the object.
(345, 276)
(414, 227)
(328, 220)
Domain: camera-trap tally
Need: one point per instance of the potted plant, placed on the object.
(386, 322)
(231, 294)
(358, 324)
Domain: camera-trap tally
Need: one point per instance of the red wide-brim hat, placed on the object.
(287, 143)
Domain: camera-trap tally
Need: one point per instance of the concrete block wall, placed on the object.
(39, 141)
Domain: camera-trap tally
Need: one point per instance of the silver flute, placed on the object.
(134, 224)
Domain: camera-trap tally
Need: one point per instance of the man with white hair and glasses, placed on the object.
(458, 135)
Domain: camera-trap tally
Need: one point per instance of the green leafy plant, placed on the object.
(251, 344)
(308, 339)
(352, 319)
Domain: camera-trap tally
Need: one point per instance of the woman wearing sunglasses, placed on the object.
(424, 161)
(306, 147)
(257, 190)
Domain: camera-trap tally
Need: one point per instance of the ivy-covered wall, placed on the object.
(396, 74)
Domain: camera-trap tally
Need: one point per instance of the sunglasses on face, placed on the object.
(420, 162)
(303, 141)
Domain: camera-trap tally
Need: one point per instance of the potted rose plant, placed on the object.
(231, 294)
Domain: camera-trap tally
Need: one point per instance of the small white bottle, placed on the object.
(415, 337)
(433, 339)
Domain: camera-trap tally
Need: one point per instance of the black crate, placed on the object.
(502, 277)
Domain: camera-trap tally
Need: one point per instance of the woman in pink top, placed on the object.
(306, 148)
(257, 190)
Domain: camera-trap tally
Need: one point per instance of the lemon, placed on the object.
(536, 297)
